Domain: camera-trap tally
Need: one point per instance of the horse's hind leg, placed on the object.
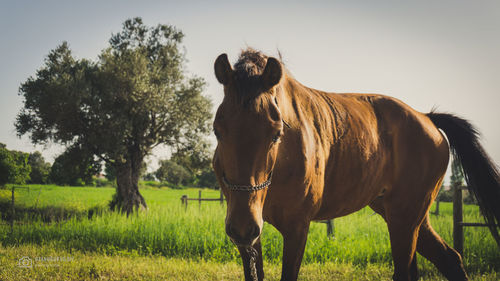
(404, 256)
(435, 249)
(403, 231)
(431, 246)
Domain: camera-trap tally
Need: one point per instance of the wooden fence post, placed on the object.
(458, 230)
(38, 196)
(184, 201)
(13, 211)
(436, 212)
(199, 198)
(329, 229)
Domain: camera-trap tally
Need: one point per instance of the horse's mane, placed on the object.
(250, 63)
(248, 68)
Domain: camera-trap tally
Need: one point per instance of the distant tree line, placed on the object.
(191, 166)
(14, 167)
(74, 168)
(19, 167)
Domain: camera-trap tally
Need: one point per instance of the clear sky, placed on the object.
(443, 54)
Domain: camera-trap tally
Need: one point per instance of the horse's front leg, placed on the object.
(294, 243)
(252, 262)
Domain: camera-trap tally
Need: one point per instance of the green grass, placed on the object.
(196, 234)
(93, 266)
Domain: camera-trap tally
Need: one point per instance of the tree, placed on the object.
(14, 167)
(208, 179)
(135, 97)
(149, 177)
(40, 169)
(457, 174)
(457, 180)
(74, 167)
(109, 171)
(172, 172)
(195, 157)
(7, 166)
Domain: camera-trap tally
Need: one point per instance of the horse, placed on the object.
(288, 155)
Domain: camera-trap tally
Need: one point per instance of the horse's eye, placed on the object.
(277, 137)
(216, 133)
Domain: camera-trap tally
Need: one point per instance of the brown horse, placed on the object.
(288, 154)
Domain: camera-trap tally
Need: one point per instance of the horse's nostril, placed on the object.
(251, 233)
(229, 230)
(255, 232)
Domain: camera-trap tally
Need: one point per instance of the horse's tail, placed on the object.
(481, 174)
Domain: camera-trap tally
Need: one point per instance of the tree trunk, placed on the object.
(127, 198)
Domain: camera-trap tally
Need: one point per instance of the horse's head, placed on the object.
(248, 126)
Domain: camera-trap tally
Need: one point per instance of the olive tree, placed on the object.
(136, 96)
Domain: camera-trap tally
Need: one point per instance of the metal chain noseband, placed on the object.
(249, 188)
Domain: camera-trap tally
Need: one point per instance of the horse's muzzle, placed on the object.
(243, 237)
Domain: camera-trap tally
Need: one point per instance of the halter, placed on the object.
(248, 188)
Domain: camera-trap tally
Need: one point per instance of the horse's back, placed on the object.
(386, 144)
(417, 147)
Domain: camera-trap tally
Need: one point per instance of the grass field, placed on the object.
(169, 240)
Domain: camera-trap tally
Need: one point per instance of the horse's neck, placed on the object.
(318, 109)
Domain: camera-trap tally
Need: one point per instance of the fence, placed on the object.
(185, 199)
(330, 228)
(458, 224)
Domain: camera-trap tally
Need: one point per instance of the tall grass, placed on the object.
(170, 230)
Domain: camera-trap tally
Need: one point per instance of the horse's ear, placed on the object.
(223, 70)
(272, 73)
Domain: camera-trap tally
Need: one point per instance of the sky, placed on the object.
(429, 54)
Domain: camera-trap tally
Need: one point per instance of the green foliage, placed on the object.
(456, 179)
(457, 174)
(149, 177)
(99, 182)
(172, 172)
(110, 171)
(153, 184)
(197, 160)
(7, 167)
(40, 169)
(195, 157)
(469, 198)
(445, 195)
(208, 179)
(14, 167)
(74, 167)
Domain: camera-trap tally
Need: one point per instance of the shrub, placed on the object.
(172, 172)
